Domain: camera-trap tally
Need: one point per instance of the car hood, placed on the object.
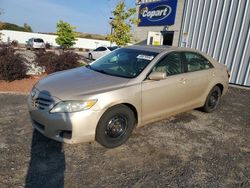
(75, 83)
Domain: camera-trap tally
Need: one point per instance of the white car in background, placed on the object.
(35, 43)
(100, 51)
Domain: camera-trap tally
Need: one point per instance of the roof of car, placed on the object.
(151, 48)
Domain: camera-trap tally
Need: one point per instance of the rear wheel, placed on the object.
(213, 100)
(115, 126)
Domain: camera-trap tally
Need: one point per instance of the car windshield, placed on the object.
(127, 63)
(38, 40)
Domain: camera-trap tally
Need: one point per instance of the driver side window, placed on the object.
(171, 64)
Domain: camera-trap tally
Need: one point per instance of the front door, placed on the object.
(163, 97)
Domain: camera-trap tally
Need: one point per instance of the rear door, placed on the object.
(199, 73)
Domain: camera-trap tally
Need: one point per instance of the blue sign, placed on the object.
(157, 13)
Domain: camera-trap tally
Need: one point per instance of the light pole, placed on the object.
(111, 31)
(111, 18)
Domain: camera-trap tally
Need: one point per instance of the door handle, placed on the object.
(183, 80)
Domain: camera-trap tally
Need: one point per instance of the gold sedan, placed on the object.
(127, 88)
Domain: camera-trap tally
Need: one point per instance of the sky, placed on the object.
(90, 16)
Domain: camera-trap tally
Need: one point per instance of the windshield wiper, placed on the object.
(104, 72)
(97, 70)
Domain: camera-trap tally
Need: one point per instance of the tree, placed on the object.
(1, 12)
(66, 34)
(122, 23)
(27, 27)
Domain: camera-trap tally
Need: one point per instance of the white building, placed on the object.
(22, 37)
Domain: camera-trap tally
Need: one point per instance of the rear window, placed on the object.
(38, 40)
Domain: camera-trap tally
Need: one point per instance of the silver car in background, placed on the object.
(35, 43)
(100, 51)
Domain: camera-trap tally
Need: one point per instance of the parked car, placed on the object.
(35, 43)
(100, 51)
(127, 88)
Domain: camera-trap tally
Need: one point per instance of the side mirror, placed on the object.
(157, 76)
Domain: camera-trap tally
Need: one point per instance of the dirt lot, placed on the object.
(19, 86)
(193, 149)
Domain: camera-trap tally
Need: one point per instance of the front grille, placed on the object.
(42, 103)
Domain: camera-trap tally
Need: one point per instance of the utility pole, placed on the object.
(111, 31)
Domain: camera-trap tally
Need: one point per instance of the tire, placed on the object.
(115, 126)
(213, 100)
(90, 57)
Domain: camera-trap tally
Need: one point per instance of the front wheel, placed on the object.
(115, 126)
(213, 100)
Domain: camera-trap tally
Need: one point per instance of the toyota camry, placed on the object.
(125, 89)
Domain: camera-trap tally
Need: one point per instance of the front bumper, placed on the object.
(64, 127)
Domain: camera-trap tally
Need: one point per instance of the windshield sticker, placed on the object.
(146, 57)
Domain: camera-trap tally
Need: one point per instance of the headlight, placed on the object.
(72, 106)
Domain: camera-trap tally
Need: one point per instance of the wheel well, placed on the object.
(221, 87)
(133, 109)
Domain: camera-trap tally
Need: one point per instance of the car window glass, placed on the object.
(100, 49)
(97, 49)
(38, 40)
(171, 64)
(195, 62)
(112, 48)
(127, 63)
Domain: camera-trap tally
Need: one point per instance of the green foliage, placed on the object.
(66, 34)
(14, 27)
(90, 36)
(10, 26)
(122, 24)
(27, 27)
(1, 12)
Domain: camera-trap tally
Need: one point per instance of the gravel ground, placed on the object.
(192, 149)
